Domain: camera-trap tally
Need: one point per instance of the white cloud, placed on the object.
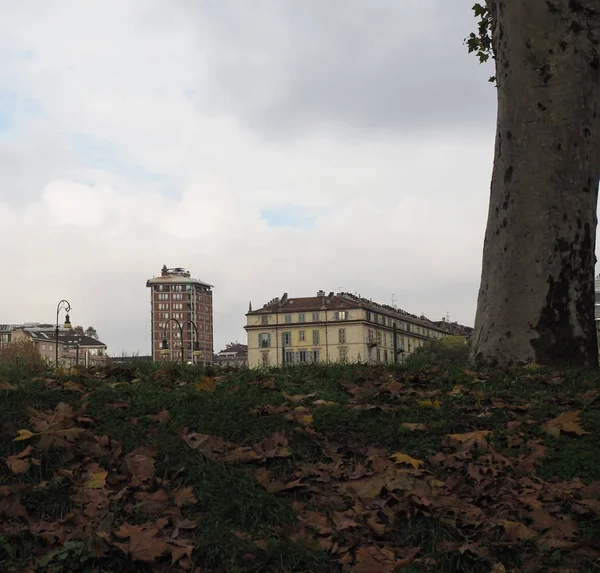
(139, 158)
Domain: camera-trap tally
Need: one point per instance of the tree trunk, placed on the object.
(536, 299)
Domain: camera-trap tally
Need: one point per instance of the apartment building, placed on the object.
(234, 354)
(73, 349)
(176, 298)
(333, 328)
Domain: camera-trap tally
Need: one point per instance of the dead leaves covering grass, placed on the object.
(101, 479)
(353, 501)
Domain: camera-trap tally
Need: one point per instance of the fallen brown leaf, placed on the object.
(567, 422)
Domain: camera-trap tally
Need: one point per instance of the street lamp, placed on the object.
(164, 348)
(63, 304)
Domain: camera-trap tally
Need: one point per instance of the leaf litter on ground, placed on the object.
(366, 469)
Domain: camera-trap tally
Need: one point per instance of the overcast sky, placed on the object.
(268, 146)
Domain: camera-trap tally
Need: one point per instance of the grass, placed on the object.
(360, 417)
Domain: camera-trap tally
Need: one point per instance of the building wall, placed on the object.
(67, 355)
(325, 337)
(182, 300)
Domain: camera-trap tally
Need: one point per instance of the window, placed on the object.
(341, 315)
(287, 339)
(315, 337)
(301, 335)
(165, 316)
(343, 353)
(384, 339)
(378, 355)
(288, 318)
(50, 347)
(378, 338)
(302, 356)
(342, 336)
(407, 327)
(385, 356)
(369, 316)
(163, 296)
(375, 318)
(178, 296)
(316, 316)
(264, 340)
(315, 355)
(301, 317)
(43, 347)
(289, 356)
(264, 320)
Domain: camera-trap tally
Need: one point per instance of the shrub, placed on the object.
(21, 359)
(445, 352)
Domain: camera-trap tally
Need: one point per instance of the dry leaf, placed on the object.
(467, 441)
(376, 527)
(429, 404)
(185, 496)
(514, 530)
(206, 384)
(143, 544)
(295, 398)
(23, 435)
(97, 480)
(412, 427)
(400, 458)
(567, 422)
(160, 417)
(16, 465)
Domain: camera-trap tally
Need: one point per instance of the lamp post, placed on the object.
(63, 304)
(164, 349)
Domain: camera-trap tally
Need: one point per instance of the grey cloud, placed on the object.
(29, 162)
(286, 66)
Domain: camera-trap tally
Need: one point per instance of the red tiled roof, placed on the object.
(304, 304)
(346, 301)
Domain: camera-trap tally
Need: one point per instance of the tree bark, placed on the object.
(536, 299)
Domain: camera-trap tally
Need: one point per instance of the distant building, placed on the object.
(72, 348)
(176, 295)
(235, 354)
(7, 329)
(453, 328)
(333, 328)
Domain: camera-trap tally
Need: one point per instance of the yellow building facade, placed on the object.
(333, 328)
